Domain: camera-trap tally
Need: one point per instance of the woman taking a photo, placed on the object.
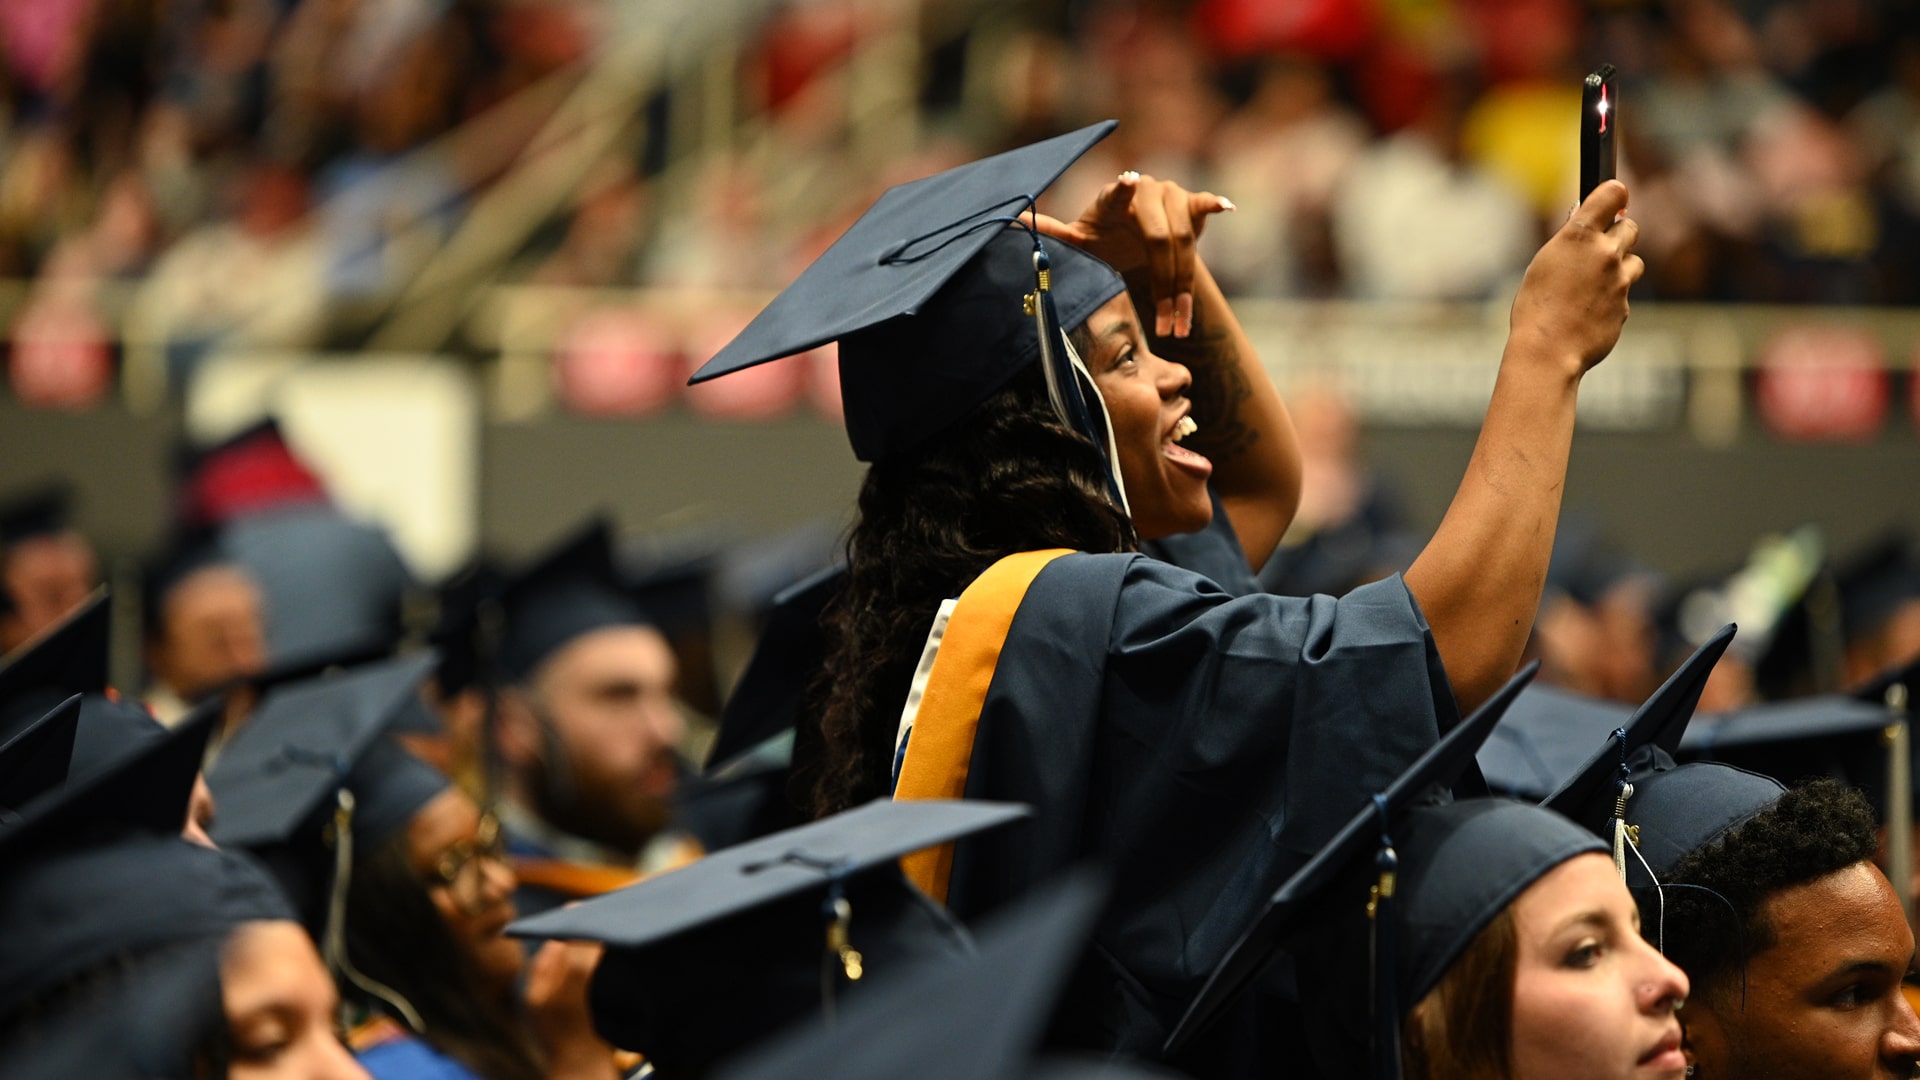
(1000, 637)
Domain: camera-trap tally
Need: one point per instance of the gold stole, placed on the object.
(940, 747)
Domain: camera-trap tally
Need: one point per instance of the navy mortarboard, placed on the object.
(69, 658)
(924, 294)
(68, 911)
(703, 960)
(143, 790)
(1432, 896)
(302, 743)
(788, 655)
(1824, 735)
(1641, 743)
(981, 1016)
(1875, 584)
(571, 590)
(313, 753)
(42, 510)
(35, 760)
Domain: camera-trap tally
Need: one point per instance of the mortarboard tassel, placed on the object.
(1064, 370)
(333, 940)
(1383, 1003)
(840, 954)
(1619, 831)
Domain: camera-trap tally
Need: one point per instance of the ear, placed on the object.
(1703, 1039)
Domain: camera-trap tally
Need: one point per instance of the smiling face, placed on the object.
(470, 886)
(1591, 999)
(1146, 397)
(1824, 999)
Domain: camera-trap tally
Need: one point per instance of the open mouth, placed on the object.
(1180, 455)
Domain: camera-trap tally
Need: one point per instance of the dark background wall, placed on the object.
(1680, 506)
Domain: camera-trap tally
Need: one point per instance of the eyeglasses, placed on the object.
(458, 869)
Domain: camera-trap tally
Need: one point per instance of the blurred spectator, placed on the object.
(1280, 158)
(1415, 220)
(262, 168)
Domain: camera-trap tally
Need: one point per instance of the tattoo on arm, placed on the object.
(1220, 390)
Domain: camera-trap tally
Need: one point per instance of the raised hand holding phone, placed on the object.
(1599, 124)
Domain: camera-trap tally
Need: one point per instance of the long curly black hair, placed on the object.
(1008, 478)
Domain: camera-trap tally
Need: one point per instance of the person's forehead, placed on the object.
(635, 652)
(1115, 318)
(1849, 915)
(1584, 885)
(445, 820)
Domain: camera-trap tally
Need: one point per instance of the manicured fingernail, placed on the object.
(1163, 318)
(1227, 204)
(1128, 177)
(1183, 315)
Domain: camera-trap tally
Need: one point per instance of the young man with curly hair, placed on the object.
(1793, 940)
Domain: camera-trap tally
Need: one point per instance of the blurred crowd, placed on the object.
(260, 166)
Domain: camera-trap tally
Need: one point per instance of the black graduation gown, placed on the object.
(1201, 745)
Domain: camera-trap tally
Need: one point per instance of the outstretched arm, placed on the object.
(1480, 578)
(1147, 229)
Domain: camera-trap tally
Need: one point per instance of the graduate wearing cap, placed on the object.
(1450, 939)
(1769, 899)
(46, 567)
(402, 880)
(1001, 638)
(707, 960)
(329, 583)
(1794, 941)
(588, 729)
(202, 624)
(1880, 608)
(128, 951)
(68, 664)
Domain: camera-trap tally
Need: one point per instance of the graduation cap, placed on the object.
(330, 582)
(674, 593)
(1642, 742)
(741, 798)
(460, 603)
(70, 658)
(36, 760)
(1825, 735)
(1678, 811)
(149, 1018)
(1438, 879)
(715, 955)
(1599, 793)
(790, 653)
(415, 716)
(42, 510)
(572, 590)
(981, 1016)
(1875, 584)
(72, 911)
(1906, 677)
(145, 790)
(309, 740)
(937, 303)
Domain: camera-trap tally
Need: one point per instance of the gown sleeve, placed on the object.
(1200, 745)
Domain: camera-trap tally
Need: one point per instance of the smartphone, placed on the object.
(1599, 123)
